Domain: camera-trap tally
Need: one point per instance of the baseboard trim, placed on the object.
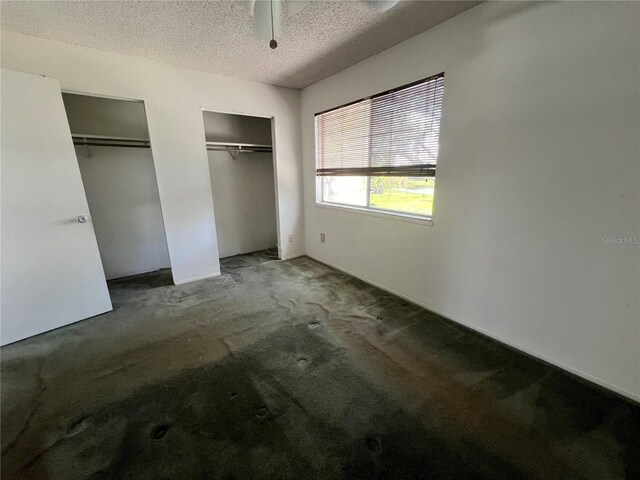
(195, 279)
(296, 255)
(598, 382)
(4, 343)
(134, 273)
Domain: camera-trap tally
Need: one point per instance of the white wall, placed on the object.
(244, 200)
(174, 98)
(539, 163)
(120, 184)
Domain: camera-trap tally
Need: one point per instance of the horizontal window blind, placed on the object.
(394, 133)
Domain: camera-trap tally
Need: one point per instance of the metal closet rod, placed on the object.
(109, 141)
(239, 147)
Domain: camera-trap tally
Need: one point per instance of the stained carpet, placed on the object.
(293, 370)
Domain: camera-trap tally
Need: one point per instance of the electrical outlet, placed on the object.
(290, 238)
(322, 237)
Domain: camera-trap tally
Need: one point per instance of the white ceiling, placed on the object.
(316, 38)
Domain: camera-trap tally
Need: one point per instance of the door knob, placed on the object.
(82, 219)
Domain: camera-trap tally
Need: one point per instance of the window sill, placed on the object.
(377, 213)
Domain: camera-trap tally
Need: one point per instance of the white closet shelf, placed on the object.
(238, 146)
(109, 141)
(235, 149)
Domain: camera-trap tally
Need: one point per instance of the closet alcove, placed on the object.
(112, 145)
(241, 168)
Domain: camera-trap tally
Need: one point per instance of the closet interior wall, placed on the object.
(242, 184)
(120, 184)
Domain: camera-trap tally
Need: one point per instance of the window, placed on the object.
(380, 153)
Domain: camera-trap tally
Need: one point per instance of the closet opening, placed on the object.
(243, 187)
(111, 140)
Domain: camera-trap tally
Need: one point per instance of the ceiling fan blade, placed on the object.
(262, 18)
(294, 6)
(247, 5)
(381, 5)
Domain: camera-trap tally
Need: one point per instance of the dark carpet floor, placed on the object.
(293, 370)
(237, 262)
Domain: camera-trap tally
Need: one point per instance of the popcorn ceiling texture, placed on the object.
(319, 40)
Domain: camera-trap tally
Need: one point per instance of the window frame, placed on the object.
(368, 209)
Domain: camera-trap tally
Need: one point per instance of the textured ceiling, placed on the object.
(316, 38)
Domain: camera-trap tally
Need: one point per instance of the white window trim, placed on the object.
(375, 212)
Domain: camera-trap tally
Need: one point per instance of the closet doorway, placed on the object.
(111, 140)
(242, 171)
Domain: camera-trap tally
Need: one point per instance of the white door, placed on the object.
(51, 273)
